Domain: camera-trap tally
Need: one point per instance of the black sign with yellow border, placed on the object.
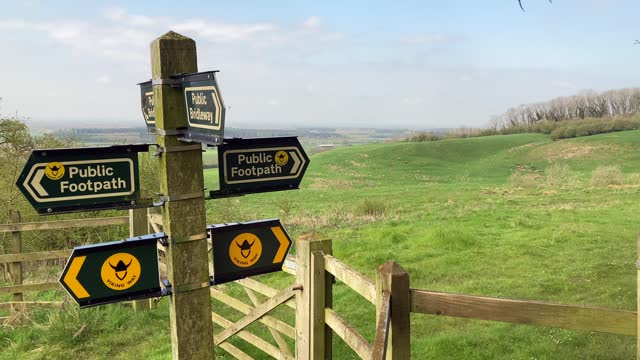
(115, 271)
(78, 179)
(260, 165)
(245, 249)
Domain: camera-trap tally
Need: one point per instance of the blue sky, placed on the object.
(416, 64)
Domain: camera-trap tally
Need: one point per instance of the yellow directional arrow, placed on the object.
(284, 244)
(71, 278)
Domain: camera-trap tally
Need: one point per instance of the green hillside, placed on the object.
(456, 217)
(516, 216)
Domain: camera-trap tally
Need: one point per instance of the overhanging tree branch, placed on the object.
(521, 7)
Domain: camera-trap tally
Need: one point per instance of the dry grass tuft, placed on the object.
(604, 176)
(523, 179)
(560, 175)
(341, 216)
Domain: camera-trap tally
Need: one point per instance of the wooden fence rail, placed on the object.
(17, 258)
(63, 224)
(575, 317)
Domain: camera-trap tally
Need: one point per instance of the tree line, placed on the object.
(586, 104)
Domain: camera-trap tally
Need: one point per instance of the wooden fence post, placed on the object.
(392, 278)
(183, 212)
(313, 336)
(139, 225)
(16, 248)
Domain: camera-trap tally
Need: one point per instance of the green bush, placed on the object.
(576, 128)
(424, 136)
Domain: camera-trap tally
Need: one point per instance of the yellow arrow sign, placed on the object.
(71, 278)
(284, 244)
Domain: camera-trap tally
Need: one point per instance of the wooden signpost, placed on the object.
(181, 106)
(183, 212)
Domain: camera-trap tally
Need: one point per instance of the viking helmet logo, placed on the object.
(54, 170)
(121, 268)
(245, 247)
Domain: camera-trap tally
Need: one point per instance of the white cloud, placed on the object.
(333, 36)
(222, 32)
(12, 25)
(115, 14)
(65, 32)
(104, 79)
(565, 85)
(121, 15)
(412, 100)
(311, 23)
(426, 39)
(273, 102)
(126, 37)
(120, 43)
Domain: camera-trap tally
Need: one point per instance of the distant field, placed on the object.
(507, 216)
(210, 158)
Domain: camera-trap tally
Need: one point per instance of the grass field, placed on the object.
(514, 216)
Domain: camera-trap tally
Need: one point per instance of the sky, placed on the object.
(383, 64)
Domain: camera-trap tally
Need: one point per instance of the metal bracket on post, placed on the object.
(190, 287)
(164, 241)
(166, 289)
(166, 198)
(171, 132)
(175, 81)
(169, 149)
(196, 237)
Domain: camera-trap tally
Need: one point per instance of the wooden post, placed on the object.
(16, 248)
(313, 336)
(391, 277)
(183, 213)
(139, 225)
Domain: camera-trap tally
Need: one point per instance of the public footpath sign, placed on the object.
(115, 271)
(66, 180)
(260, 165)
(204, 107)
(245, 249)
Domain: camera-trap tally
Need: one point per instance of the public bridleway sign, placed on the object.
(205, 109)
(115, 271)
(65, 180)
(245, 249)
(260, 165)
(203, 103)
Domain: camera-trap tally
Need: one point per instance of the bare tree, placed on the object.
(588, 103)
